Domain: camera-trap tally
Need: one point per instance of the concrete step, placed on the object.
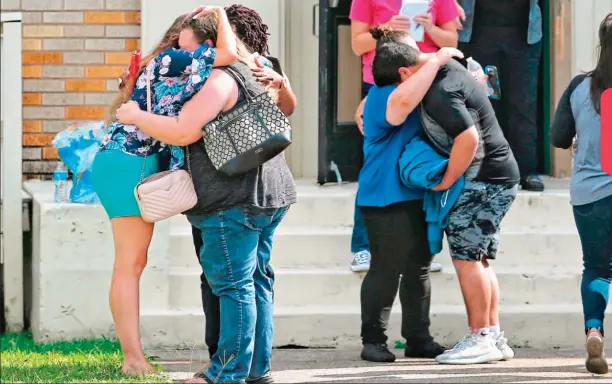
(333, 206)
(338, 287)
(541, 326)
(322, 247)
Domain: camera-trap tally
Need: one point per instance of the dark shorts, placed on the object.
(475, 221)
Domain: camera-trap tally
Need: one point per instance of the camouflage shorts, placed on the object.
(473, 230)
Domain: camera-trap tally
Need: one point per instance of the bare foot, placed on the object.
(196, 380)
(138, 369)
(200, 373)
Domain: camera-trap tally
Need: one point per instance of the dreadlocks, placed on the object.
(249, 27)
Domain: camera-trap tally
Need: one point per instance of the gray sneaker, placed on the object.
(596, 358)
(361, 261)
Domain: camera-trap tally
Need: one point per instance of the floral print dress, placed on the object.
(176, 75)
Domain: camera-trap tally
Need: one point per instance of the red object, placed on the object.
(606, 131)
(134, 67)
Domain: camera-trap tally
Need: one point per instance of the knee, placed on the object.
(132, 263)
(598, 271)
(242, 289)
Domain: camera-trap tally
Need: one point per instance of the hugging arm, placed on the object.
(287, 101)
(453, 116)
(218, 91)
(407, 96)
(227, 51)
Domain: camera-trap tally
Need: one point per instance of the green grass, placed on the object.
(82, 361)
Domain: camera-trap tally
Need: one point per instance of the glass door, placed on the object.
(340, 142)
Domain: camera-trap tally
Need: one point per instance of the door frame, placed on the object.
(326, 119)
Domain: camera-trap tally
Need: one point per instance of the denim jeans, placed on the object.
(210, 302)
(594, 223)
(359, 239)
(235, 256)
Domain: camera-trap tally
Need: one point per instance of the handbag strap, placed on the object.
(239, 80)
(144, 160)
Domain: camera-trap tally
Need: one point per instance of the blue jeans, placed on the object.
(235, 257)
(359, 239)
(594, 223)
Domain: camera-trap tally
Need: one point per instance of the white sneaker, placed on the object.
(474, 348)
(435, 267)
(502, 344)
(361, 261)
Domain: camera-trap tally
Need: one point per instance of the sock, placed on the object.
(495, 330)
(484, 332)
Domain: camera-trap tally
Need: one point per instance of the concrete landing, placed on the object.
(344, 366)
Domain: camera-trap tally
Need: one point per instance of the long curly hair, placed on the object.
(204, 28)
(249, 28)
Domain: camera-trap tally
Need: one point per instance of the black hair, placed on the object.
(249, 28)
(601, 76)
(391, 55)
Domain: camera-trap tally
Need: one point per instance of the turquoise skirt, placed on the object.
(115, 175)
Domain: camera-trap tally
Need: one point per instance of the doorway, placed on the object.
(340, 142)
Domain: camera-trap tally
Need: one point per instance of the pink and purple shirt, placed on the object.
(376, 12)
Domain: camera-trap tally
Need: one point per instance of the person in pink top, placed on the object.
(440, 25)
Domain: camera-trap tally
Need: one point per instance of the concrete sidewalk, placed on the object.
(344, 366)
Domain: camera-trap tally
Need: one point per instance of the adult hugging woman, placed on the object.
(236, 220)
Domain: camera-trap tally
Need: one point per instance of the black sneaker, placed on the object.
(424, 350)
(532, 183)
(377, 353)
(267, 379)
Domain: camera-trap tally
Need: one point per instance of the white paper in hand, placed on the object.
(412, 8)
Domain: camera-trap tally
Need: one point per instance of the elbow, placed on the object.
(408, 104)
(560, 142)
(288, 110)
(188, 138)
(357, 48)
(232, 54)
(559, 135)
(453, 40)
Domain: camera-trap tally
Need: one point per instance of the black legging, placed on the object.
(398, 244)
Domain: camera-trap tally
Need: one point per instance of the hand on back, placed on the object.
(444, 55)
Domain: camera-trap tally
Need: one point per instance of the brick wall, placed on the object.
(73, 52)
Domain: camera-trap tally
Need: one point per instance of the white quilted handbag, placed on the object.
(164, 194)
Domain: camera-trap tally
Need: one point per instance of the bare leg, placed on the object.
(476, 290)
(494, 311)
(132, 238)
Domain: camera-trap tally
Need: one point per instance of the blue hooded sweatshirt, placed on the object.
(421, 166)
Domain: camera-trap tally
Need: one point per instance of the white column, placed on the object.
(12, 229)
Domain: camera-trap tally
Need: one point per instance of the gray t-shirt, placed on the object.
(576, 117)
(269, 186)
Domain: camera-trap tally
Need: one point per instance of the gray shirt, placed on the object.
(576, 117)
(268, 186)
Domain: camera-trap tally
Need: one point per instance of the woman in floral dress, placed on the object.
(175, 76)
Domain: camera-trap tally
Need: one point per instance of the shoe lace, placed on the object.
(361, 257)
(466, 341)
